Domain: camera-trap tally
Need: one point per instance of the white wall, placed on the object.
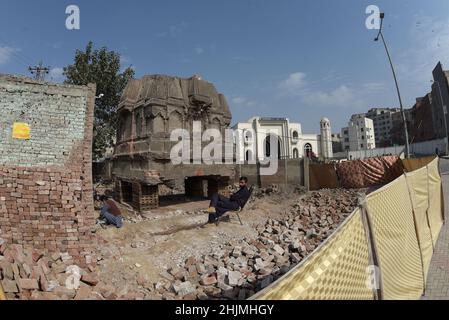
(282, 129)
(420, 149)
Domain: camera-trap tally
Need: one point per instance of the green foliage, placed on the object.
(103, 68)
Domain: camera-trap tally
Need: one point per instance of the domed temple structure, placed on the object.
(149, 110)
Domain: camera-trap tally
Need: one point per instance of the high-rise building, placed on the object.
(383, 123)
(359, 135)
(397, 131)
(337, 143)
(440, 98)
(423, 127)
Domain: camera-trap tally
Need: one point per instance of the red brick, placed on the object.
(89, 279)
(28, 284)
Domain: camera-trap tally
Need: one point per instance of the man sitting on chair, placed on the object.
(219, 204)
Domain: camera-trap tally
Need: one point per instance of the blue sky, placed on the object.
(297, 59)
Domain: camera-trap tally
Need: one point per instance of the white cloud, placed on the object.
(199, 50)
(57, 45)
(339, 97)
(124, 59)
(238, 100)
(430, 40)
(56, 74)
(311, 92)
(173, 31)
(374, 86)
(294, 83)
(6, 54)
(243, 101)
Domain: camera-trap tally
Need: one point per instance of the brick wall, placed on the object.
(46, 180)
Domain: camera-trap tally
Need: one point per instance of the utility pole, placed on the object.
(39, 71)
(380, 34)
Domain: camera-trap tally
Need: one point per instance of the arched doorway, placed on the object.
(268, 148)
(308, 150)
(249, 156)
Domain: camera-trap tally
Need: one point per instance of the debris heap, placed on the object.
(235, 269)
(238, 269)
(28, 274)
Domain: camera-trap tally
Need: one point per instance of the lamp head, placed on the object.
(381, 16)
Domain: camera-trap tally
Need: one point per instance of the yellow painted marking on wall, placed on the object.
(21, 131)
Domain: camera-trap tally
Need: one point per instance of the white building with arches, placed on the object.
(253, 140)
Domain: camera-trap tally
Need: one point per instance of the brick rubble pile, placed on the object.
(238, 269)
(235, 269)
(28, 274)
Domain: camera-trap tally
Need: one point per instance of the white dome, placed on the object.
(325, 120)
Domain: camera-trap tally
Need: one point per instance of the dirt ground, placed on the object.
(150, 243)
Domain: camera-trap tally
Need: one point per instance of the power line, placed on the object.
(15, 53)
(12, 53)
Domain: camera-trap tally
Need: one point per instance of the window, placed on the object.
(295, 153)
(346, 139)
(361, 145)
(248, 135)
(268, 147)
(248, 155)
(308, 150)
(295, 135)
(363, 137)
(345, 132)
(361, 130)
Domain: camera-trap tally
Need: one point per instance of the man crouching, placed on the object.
(111, 212)
(219, 204)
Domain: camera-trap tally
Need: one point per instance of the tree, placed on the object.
(103, 68)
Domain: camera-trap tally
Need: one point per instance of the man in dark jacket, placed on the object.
(219, 204)
(111, 212)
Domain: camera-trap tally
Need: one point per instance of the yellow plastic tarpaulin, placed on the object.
(2, 294)
(435, 212)
(335, 271)
(417, 184)
(416, 163)
(393, 228)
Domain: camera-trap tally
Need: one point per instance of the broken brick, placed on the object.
(89, 279)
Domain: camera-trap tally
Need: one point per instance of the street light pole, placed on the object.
(407, 146)
(444, 115)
